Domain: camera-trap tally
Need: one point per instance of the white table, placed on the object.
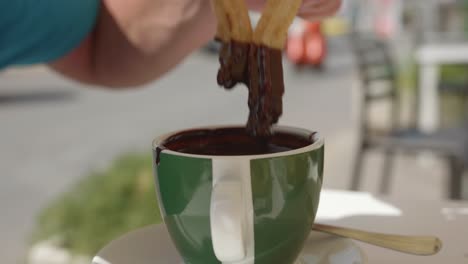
(444, 219)
(429, 58)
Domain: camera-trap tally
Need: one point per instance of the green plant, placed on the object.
(451, 74)
(102, 207)
(457, 74)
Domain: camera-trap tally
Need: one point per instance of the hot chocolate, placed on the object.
(233, 141)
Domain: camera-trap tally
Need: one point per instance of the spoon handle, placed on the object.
(416, 245)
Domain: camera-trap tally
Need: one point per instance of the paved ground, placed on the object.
(53, 131)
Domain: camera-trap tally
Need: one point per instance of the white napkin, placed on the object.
(335, 205)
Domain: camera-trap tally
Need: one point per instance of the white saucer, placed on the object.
(152, 245)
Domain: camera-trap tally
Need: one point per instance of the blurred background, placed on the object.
(385, 82)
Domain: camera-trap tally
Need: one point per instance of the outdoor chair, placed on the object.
(376, 68)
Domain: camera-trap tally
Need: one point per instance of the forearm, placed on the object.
(132, 45)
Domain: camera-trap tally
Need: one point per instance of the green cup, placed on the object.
(239, 209)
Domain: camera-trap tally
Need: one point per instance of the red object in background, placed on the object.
(308, 47)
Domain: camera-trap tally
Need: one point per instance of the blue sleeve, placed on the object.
(38, 31)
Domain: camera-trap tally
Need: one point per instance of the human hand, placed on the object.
(137, 41)
(310, 10)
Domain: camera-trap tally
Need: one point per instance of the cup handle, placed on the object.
(226, 219)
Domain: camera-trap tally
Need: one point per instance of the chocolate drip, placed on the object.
(233, 60)
(260, 69)
(158, 154)
(266, 89)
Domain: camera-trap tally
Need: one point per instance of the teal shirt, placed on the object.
(38, 31)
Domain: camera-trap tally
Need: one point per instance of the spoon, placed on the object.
(416, 245)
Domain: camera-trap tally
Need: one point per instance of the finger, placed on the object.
(320, 6)
(256, 5)
(328, 8)
(310, 9)
(312, 3)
